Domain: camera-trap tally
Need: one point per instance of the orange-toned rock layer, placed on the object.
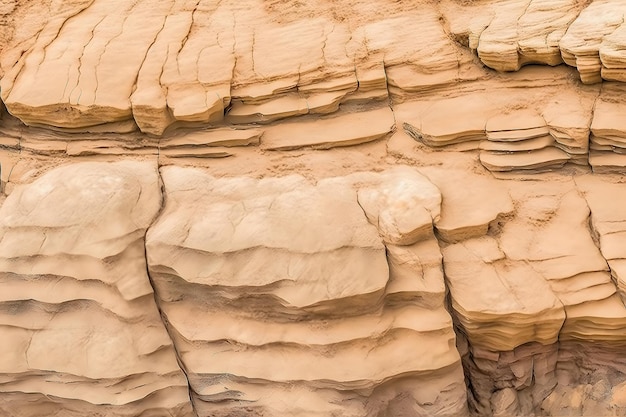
(321, 208)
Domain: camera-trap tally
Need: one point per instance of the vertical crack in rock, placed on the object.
(157, 299)
(183, 43)
(389, 95)
(7, 91)
(593, 232)
(107, 43)
(590, 135)
(77, 313)
(462, 342)
(80, 65)
(8, 57)
(533, 279)
(148, 98)
(309, 290)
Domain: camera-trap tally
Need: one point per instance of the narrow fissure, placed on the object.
(462, 346)
(157, 299)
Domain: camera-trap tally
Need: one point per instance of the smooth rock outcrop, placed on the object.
(342, 130)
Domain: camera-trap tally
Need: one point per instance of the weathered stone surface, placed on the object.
(342, 130)
(345, 184)
(187, 62)
(537, 281)
(608, 221)
(471, 203)
(81, 331)
(593, 39)
(299, 297)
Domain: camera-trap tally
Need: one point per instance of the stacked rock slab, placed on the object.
(151, 65)
(608, 132)
(202, 63)
(589, 36)
(605, 198)
(520, 140)
(81, 333)
(539, 127)
(321, 293)
(511, 328)
(592, 42)
(523, 32)
(281, 301)
(535, 280)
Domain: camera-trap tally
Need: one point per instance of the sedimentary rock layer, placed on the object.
(81, 331)
(531, 288)
(345, 184)
(296, 294)
(89, 66)
(195, 62)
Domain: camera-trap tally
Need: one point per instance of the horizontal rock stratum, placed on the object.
(286, 208)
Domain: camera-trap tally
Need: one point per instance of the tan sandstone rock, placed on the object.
(391, 208)
(324, 318)
(81, 331)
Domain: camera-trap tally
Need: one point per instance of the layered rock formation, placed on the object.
(277, 208)
(81, 332)
(547, 282)
(304, 313)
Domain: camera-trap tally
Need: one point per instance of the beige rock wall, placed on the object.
(278, 208)
(281, 299)
(81, 333)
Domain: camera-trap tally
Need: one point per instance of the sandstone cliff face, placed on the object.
(305, 314)
(81, 332)
(279, 208)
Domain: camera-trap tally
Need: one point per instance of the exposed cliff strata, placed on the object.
(81, 333)
(341, 193)
(276, 306)
(547, 288)
(299, 297)
(195, 62)
(190, 61)
(214, 64)
(543, 126)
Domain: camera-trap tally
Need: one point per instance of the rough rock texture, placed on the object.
(81, 333)
(321, 208)
(301, 298)
(518, 291)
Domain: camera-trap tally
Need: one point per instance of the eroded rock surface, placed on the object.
(529, 296)
(218, 208)
(81, 333)
(298, 297)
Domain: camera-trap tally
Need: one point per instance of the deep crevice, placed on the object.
(155, 292)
